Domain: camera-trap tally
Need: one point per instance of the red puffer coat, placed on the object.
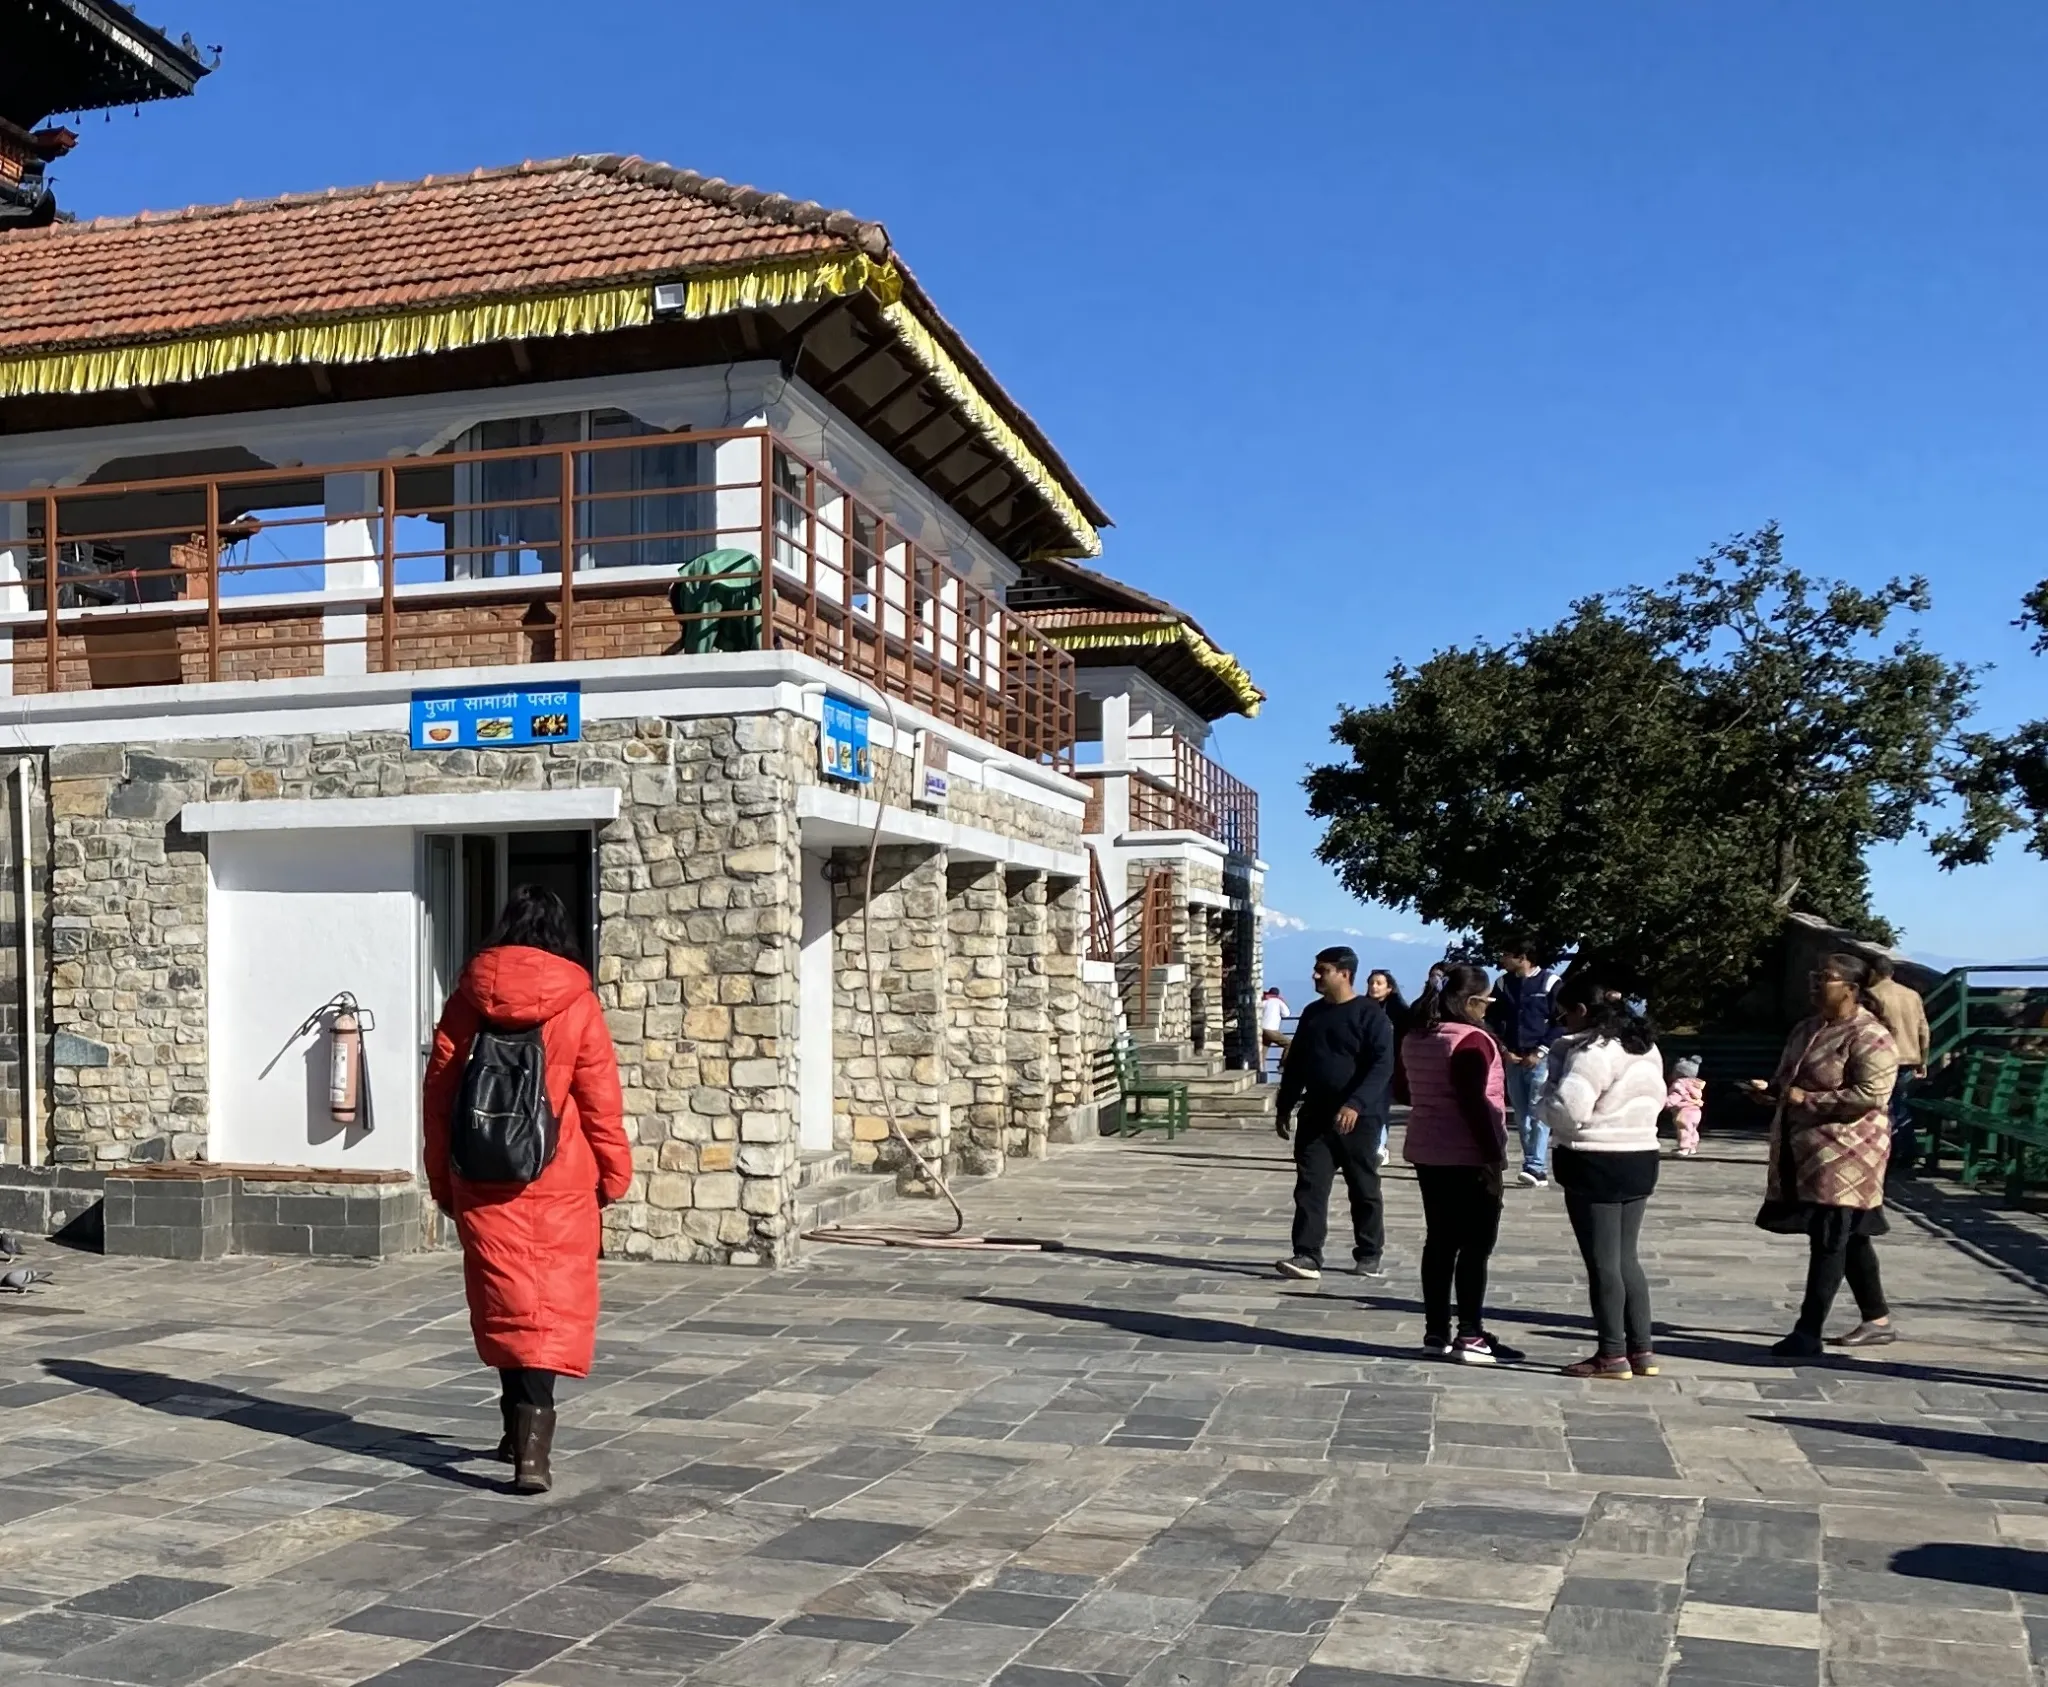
(529, 1251)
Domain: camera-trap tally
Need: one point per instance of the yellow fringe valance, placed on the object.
(1221, 663)
(373, 339)
(422, 333)
(988, 421)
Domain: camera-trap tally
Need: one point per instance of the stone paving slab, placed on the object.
(1141, 1460)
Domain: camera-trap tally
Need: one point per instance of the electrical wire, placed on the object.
(933, 1171)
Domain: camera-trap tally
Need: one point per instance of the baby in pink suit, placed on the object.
(1687, 1100)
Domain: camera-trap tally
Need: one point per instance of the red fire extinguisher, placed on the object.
(345, 1061)
(346, 1022)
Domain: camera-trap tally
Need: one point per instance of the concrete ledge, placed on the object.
(198, 1211)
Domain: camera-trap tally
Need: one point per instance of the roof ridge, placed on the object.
(871, 238)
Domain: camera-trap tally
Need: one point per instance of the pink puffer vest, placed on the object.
(1437, 1132)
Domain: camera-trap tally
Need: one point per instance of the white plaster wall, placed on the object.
(293, 918)
(814, 1010)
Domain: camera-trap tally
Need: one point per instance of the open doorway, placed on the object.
(465, 878)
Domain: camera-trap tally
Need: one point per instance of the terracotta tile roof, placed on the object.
(545, 227)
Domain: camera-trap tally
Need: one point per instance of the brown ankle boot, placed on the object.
(504, 1454)
(533, 1438)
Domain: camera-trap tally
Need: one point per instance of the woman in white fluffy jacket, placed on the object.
(1601, 1097)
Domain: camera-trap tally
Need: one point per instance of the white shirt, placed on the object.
(1272, 1012)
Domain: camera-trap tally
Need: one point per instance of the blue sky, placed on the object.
(1377, 327)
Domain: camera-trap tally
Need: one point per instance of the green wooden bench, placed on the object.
(1170, 1096)
(1998, 1113)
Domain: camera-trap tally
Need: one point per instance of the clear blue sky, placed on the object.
(1377, 327)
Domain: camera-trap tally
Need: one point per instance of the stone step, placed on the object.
(1253, 1103)
(840, 1200)
(816, 1166)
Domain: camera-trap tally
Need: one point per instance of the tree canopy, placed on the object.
(1654, 781)
(2002, 782)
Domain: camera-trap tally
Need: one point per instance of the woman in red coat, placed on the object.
(529, 1250)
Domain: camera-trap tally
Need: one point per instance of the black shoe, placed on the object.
(1373, 1268)
(505, 1452)
(1301, 1268)
(1436, 1346)
(1798, 1345)
(1484, 1349)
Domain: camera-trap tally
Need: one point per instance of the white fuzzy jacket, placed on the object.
(1599, 1098)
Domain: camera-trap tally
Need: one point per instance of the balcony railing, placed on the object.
(1201, 797)
(455, 561)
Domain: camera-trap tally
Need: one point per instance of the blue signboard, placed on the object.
(843, 742)
(496, 720)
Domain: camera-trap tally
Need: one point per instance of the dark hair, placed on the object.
(1396, 1004)
(1520, 943)
(1881, 967)
(1854, 971)
(1448, 1006)
(1344, 960)
(1608, 1016)
(534, 918)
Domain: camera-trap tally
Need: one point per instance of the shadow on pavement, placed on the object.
(2015, 1569)
(1170, 1262)
(315, 1425)
(1972, 1223)
(1757, 1355)
(1927, 1439)
(1178, 1326)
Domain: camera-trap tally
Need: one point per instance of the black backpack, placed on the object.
(504, 1130)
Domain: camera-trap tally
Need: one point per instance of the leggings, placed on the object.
(529, 1388)
(1855, 1259)
(1461, 1212)
(1608, 1232)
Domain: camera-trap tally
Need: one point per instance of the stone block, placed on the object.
(715, 1157)
(718, 1191)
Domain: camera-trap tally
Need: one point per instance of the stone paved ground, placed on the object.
(1142, 1459)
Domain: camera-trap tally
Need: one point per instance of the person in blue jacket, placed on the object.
(1524, 1017)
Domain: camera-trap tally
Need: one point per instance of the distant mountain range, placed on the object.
(1291, 953)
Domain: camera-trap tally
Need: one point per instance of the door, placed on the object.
(465, 879)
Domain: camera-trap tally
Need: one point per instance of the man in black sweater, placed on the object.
(1338, 1071)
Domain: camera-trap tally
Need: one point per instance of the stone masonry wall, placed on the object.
(699, 931)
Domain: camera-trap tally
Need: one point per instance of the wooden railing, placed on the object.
(1101, 913)
(1202, 797)
(681, 544)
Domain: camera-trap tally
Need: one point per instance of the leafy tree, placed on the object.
(1655, 780)
(2002, 782)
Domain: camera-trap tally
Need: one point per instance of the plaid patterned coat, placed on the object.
(1831, 1149)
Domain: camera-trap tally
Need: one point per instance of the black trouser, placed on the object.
(1461, 1212)
(1608, 1232)
(1856, 1259)
(529, 1388)
(1319, 1154)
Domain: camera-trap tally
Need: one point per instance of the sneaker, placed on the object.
(1866, 1335)
(1383, 1154)
(1484, 1349)
(1437, 1347)
(1533, 1180)
(1605, 1369)
(1373, 1268)
(1643, 1364)
(1301, 1269)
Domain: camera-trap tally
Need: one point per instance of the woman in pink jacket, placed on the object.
(1457, 1142)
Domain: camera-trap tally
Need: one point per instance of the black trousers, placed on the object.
(1856, 1259)
(1320, 1153)
(528, 1388)
(1608, 1233)
(1461, 1213)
